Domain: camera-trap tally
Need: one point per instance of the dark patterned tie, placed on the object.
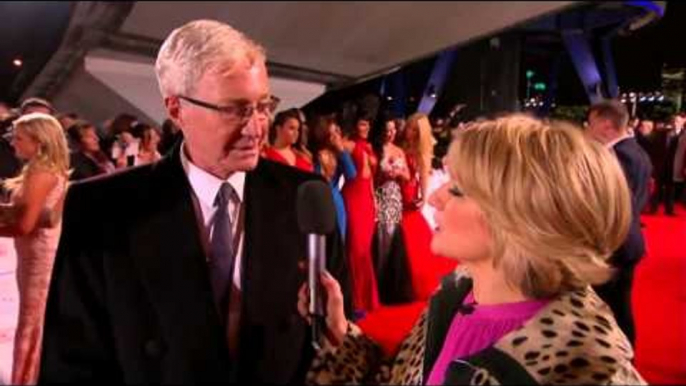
(221, 262)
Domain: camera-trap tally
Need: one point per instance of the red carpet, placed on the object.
(388, 325)
(659, 301)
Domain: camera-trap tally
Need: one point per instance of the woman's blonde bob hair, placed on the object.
(557, 204)
(53, 152)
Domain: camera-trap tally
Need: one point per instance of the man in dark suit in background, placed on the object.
(10, 165)
(678, 148)
(187, 270)
(665, 145)
(608, 123)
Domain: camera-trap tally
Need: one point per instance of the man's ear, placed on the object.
(610, 128)
(173, 106)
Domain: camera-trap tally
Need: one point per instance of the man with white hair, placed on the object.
(195, 274)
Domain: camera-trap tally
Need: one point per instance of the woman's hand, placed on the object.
(336, 322)
(337, 141)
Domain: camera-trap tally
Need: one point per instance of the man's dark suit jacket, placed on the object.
(637, 168)
(661, 146)
(83, 167)
(10, 166)
(670, 156)
(130, 299)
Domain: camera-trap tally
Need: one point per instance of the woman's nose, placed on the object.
(437, 198)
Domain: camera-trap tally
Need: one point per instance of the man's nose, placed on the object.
(252, 128)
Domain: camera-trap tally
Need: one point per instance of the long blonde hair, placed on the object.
(421, 147)
(53, 152)
(557, 204)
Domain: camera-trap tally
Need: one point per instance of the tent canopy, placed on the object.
(310, 45)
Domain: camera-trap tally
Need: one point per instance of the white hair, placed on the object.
(196, 47)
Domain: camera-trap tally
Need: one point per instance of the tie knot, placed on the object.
(224, 195)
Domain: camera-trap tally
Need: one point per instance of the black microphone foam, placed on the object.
(315, 208)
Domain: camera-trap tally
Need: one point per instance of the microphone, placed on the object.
(316, 217)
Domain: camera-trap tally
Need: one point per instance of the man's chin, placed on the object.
(246, 164)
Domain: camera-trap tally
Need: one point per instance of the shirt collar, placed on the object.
(205, 185)
(612, 144)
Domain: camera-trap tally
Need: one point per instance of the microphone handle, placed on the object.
(316, 253)
(318, 326)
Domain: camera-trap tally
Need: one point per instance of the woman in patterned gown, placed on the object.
(390, 254)
(33, 220)
(358, 194)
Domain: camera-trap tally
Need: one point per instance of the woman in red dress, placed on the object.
(285, 137)
(358, 195)
(426, 268)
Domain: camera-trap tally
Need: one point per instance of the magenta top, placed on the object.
(471, 333)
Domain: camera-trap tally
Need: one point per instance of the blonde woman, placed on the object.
(533, 210)
(427, 269)
(37, 197)
(418, 143)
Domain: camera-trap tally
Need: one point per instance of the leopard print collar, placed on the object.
(574, 339)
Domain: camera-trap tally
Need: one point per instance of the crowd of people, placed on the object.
(118, 143)
(539, 216)
(665, 143)
(386, 165)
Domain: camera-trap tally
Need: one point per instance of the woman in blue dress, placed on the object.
(333, 161)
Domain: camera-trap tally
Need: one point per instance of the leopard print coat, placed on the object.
(572, 340)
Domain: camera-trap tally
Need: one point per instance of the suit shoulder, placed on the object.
(629, 151)
(627, 146)
(106, 190)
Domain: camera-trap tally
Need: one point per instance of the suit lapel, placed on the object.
(273, 245)
(168, 252)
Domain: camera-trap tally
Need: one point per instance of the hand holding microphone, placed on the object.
(335, 320)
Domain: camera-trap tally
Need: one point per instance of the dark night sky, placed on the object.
(639, 58)
(31, 31)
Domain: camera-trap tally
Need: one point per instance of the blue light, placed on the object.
(649, 6)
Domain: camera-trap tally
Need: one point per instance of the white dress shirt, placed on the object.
(205, 188)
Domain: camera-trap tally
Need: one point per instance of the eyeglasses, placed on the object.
(240, 112)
